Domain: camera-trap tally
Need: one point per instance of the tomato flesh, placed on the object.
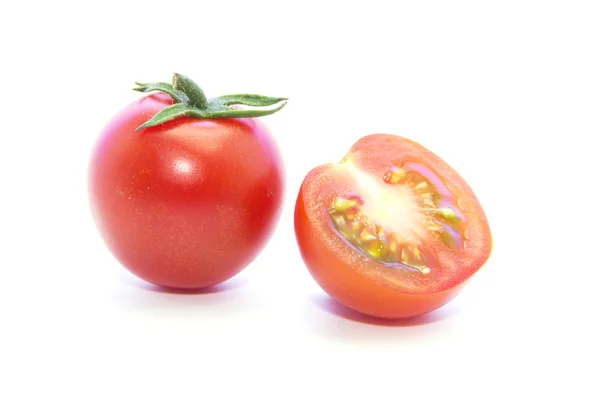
(391, 231)
(189, 203)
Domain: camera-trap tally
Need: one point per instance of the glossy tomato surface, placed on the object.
(185, 204)
(392, 231)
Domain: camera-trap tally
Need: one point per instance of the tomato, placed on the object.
(391, 231)
(189, 198)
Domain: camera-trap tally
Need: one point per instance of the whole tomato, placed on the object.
(392, 230)
(186, 191)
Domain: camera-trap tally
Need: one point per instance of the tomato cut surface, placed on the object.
(392, 230)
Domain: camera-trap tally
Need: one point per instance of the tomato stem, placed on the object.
(191, 101)
(194, 93)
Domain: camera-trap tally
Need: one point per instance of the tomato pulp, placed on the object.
(186, 203)
(392, 231)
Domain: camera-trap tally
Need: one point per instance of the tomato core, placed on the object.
(390, 217)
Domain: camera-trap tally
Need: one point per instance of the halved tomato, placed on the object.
(392, 230)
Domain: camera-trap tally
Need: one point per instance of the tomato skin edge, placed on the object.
(353, 289)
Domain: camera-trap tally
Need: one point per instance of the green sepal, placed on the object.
(253, 100)
(171, 112)
(228, 112)
(167, 88)
(191, 101)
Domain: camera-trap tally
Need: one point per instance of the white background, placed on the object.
(507, 92)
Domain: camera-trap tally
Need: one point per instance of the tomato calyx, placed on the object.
(191, 101)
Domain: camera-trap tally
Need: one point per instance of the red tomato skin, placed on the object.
(189, 203)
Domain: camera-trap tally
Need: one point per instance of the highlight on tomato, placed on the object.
(185, 190)
(391, 231)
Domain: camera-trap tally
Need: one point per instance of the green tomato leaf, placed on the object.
(177, 95)
(172, 112)
(242, 113)
(253, 100)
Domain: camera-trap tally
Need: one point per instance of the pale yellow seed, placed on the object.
(395, 175)
(355, 225)
(404, 256)
(364, 220)
(368, 234)
(338, 220)
(342, 204)
(393, 243)
(427, 200)
(421, 186)
(447, 213)
(375, 248)
(411, 256)
(444, 236)
(448, 216)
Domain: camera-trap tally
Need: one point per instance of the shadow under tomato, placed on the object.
(226, 286)
(331, 306)
(333, 321)
(228, 298)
